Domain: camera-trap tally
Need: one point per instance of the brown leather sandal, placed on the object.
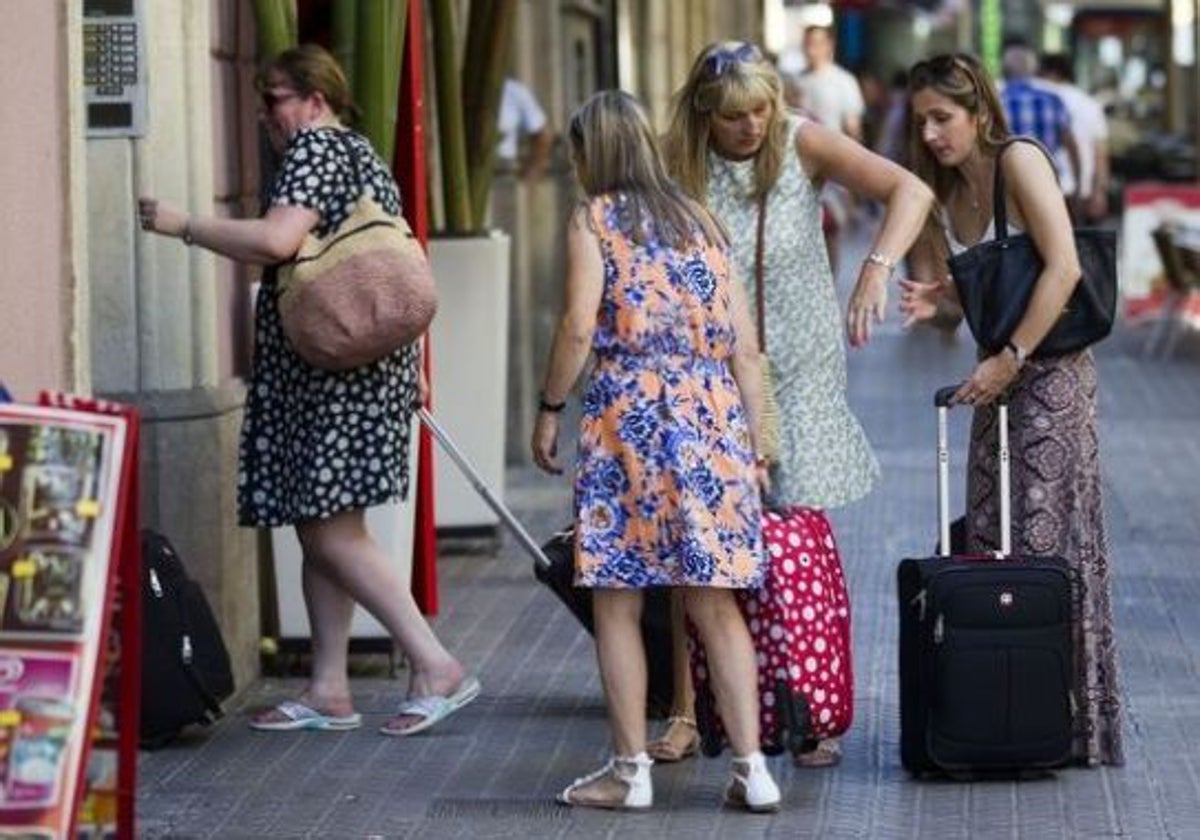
(826, 753)
(667, 749)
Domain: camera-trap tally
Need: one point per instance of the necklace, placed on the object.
(971, 196)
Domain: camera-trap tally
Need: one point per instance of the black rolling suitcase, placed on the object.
(559, 576)
(986, 655)
(554, 566)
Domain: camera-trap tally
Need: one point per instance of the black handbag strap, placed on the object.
(999, 203)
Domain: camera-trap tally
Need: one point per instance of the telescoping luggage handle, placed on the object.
(482, 489)
(941, 400)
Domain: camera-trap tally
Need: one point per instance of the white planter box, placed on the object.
(470, 368)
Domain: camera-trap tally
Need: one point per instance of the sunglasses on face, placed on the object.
(725, 59)
(271, 98)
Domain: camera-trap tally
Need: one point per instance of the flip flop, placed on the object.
(299, 716)
(433, 708)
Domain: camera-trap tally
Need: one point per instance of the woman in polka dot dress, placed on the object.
(319, 447)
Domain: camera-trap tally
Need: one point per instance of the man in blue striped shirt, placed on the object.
(1035, 111)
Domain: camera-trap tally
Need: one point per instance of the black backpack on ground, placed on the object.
(185, 665)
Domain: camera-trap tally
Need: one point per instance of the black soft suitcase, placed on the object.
(986, 654)
(554, 565)
(559, 576)
(185, 664)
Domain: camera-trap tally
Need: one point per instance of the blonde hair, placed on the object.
(615, 151)
(726, 76)
(963, 80)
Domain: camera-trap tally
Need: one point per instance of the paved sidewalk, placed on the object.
(493, 769)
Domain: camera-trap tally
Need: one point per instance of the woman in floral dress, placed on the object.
(667, 481)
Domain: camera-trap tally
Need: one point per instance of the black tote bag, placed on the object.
(995, 282)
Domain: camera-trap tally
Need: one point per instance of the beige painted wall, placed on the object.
(43, 339)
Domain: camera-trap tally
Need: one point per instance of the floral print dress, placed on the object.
(665, 488)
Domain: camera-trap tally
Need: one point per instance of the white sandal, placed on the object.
(752, 787)
(622, 784)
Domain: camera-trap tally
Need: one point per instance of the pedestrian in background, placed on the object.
(521, 118)
(1033, 110)
(667, 480)
(319, 447)
(735, 147)
(958, 126)
(1088, 196)
(831, 94)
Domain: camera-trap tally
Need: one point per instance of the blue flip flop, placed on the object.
(433, 708)
(299, 716)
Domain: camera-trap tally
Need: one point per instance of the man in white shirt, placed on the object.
(831, 95)
(829, 92)
(521, 116)
(1089, 126)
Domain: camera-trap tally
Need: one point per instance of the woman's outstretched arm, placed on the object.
(273, 238)
(827, 155)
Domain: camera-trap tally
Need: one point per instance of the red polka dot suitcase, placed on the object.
(800, 623)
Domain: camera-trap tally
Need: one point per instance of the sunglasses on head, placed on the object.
(725, 59)
(270, 98)
(941, 66)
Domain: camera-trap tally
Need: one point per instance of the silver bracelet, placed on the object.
(186, 236)
(881, 259)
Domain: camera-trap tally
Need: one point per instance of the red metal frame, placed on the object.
(123, 601)
(408, 165)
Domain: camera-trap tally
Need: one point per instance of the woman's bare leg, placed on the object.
(354, 564)
(622, 660)
(679, 738)
(731, 662)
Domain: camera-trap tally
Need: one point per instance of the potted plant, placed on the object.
(470, 262)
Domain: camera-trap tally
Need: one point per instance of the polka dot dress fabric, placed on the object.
(800, 622)
(316, 443)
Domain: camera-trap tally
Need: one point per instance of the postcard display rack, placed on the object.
(70, 578)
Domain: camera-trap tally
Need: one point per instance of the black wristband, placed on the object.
(552, 408)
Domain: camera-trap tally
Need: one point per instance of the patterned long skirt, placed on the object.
(1057, 509)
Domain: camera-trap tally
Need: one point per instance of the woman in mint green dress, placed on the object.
(733, 144)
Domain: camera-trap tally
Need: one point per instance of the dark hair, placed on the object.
(961, 78)
(1057, 65)
(313, 69)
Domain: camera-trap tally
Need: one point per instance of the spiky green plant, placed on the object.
(275, 22)
(472, 94)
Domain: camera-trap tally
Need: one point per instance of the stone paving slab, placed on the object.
(491, 771)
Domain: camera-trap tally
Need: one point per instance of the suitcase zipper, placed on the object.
(155, 586)
(939, 629)
(919, 602)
